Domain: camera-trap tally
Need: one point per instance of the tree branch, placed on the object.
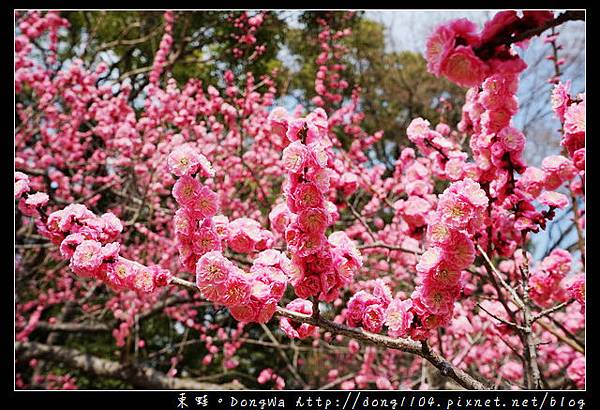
(138, 376)
(510, 39)
(405, 345)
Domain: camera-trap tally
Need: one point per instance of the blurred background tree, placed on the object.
(395, 85)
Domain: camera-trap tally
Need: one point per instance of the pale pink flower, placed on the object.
(213, 267)
(120, 273)
(143, 280)
(38, 199)
(532, 181)
(21, 184)
(399, 317)
(294, 156)
(69, 244)
(430, 259)
(560, 99)
(183, 222)
(279, 217)
(554, 199)
(183, 160)
(87, 258)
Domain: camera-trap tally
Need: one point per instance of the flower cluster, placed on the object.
(458, 51)
(571, 113)
(328, 82)
(89, 242)
(368, 309)
(245, 30)
(576, 290)
(459, 216)
(163, 49)
(267, 375)
(321, 265)
(576, 372)
(547, 283)
(245, 235)
(195, 230)
(28, 206)
(250, 296)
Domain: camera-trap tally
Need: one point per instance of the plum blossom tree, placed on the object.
(246, 224)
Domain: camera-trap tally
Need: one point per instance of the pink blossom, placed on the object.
(295, 156)
(183, 160)
(21, 184)
(576, 290)
(244, 233)
(143, 280)
(575, 118)
(532, 181)
(306, 195)
(512, 139)
(313, 220)
(87, 258)
(205, 204)
(183, 222)
(295, 329)
(236, 290)
(279, 217)
(501, 21)
(206, 240)
(463, 67)
(399, 317)
(246, 312)
(186, 189)
(512, 371)
(460, 252)
(558, 170)
(560, 99)
(554, 199)
(576, 372)
(69, 244)
(213, 267)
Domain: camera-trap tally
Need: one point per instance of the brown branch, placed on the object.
(405, 345)
(561, 337)
(506, 322)
(138, 376)
(74, 327)
(551, 310)
(291, 368)
(510, 39)
(86, 327)
(514, 296)
(533, 370)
